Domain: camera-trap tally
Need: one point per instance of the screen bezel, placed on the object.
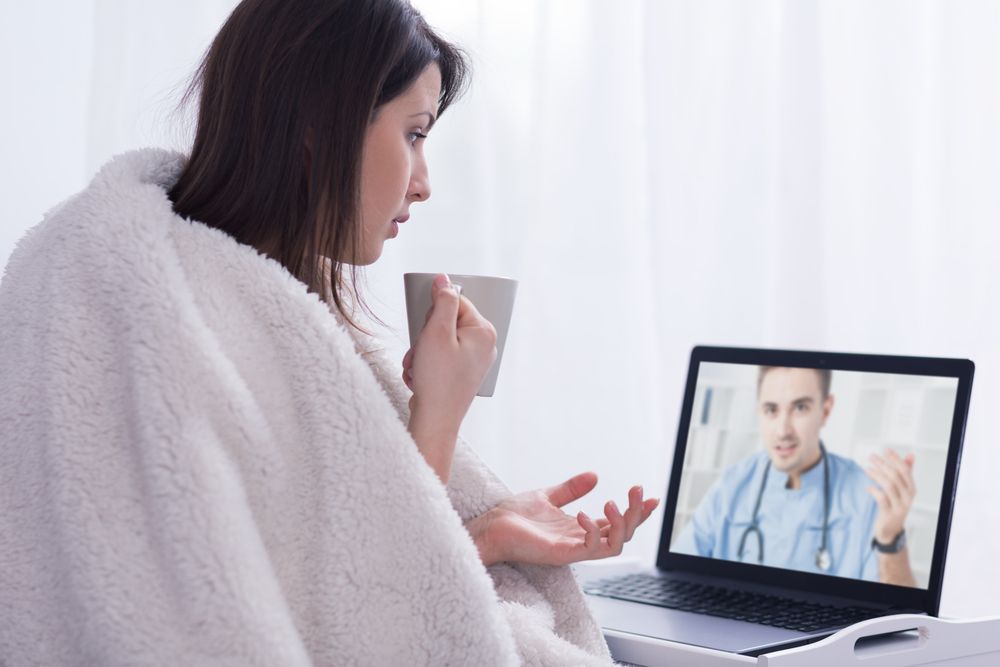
(927, 600)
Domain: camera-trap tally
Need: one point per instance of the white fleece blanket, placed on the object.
(201, 465)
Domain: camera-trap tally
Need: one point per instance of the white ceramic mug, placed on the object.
(492, 296)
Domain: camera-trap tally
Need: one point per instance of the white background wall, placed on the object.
(805, 174)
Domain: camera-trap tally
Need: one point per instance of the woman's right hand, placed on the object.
(531, 528)
(444, 370)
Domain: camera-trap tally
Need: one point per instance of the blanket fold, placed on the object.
(197, 466)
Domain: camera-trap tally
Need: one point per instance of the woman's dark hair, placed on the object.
(279, 73)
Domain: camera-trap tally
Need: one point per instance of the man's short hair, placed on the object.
(825, 378)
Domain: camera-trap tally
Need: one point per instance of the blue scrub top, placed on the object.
(791, 521)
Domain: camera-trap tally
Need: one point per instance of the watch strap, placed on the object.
(893, 547)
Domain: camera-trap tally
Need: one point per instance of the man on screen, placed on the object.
(797, 506)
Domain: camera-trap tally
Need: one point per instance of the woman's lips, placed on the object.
(396, 222)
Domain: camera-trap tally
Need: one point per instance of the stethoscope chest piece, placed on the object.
(823, 560)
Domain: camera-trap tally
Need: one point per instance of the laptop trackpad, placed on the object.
(686, 627)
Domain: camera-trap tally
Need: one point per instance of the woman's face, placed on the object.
(393, 167)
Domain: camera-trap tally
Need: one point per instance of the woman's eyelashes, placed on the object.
(415, 135)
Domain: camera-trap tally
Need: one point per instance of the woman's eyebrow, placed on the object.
(430, 118)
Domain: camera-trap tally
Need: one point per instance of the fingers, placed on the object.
(483, 331)
(617, 530)
(572, 489)
(408, 369)
(634, 512)
(622, 526)
(889, 488)
(880, 499)
(895, 475)
(469, 315)
(894, 492)
(901, 471)
(638, 511)
(455, 318)
(648, 506)
(606, 536)
(592, 534)
(444, 306)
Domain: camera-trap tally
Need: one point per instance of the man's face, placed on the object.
(792, 412)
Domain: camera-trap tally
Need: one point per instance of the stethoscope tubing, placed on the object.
(823, 561)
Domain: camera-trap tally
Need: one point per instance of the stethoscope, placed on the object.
(823, 560)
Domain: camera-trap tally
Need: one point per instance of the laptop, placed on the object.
(787, 466)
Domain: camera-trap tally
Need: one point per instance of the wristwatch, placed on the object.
(893, 547)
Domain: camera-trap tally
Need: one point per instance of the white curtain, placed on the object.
(805, 174)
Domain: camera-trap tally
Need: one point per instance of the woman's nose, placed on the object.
(420, 184)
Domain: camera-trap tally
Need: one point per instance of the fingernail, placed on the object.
(442, 281)
(614, 507)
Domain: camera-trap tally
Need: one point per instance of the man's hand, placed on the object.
(894, 494)
(530, 527)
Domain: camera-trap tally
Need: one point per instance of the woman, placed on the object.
(205, 459)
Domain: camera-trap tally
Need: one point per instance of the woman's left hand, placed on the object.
(530, 527)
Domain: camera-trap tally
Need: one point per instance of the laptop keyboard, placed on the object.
(738, 605)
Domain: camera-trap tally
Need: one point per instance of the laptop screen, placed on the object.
(834, 472)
